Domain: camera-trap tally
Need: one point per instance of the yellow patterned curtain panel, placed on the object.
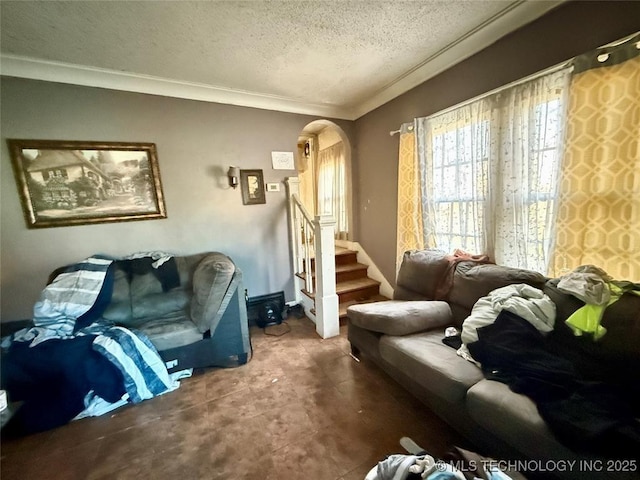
(410, 231)
(599, 205)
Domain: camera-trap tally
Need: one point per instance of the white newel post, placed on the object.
(295, 239)
(327, 309)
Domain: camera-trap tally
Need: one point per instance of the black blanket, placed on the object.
(52, 379)
(585, 411)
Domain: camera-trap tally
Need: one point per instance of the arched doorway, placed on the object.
(324, 170)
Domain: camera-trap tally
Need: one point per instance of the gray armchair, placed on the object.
(193, 310)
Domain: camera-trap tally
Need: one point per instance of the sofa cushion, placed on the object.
(420, 273)
(512, 417)
(119, 309)
(119, 313)
(170, 332)
(431, 363)
(143, 285)
(396, 317)
(157, 305)
(472, 281)
(121, 287)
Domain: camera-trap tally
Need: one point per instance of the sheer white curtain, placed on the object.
(489, 172)
(531, 138)
(333, 195)
(453, 155)
(307, 174)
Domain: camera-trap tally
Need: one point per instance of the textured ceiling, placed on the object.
(338, 54)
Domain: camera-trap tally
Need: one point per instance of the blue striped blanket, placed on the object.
(145, 374)
(70, 296)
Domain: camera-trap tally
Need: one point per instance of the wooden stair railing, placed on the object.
(313, 238)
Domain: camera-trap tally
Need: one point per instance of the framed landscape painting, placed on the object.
(76, 183)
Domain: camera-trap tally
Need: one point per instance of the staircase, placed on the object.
(339, 281)
(352, 283)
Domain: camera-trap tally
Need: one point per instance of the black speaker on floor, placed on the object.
(266, 310)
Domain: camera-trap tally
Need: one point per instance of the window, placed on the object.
(60, 174)
(490, 173)
(460, 164)
(542, 191)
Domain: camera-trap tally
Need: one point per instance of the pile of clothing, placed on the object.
(457, 464)
(589, 400)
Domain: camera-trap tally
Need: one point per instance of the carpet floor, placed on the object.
(302, 408)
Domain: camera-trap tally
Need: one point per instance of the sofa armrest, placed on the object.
(211, 281)
(395, 317)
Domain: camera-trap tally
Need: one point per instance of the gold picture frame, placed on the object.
(252, 185)
(63, 183)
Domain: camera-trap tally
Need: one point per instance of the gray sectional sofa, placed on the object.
(404, 337)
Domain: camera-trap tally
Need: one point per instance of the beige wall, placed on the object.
(196, 143)
(571, 29)
(327, 138)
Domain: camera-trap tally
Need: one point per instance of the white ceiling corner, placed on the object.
(328, 59)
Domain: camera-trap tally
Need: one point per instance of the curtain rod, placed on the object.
(559, 66)
(409, 128)
(566, 64)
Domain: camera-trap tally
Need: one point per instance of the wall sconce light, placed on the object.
(233, 174)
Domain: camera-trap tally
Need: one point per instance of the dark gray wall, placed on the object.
(196, 143)
(569, 30)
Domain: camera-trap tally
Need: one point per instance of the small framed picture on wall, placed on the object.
(252, 185)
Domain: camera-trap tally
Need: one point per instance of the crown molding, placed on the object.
(506, 21)
(59, 72)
